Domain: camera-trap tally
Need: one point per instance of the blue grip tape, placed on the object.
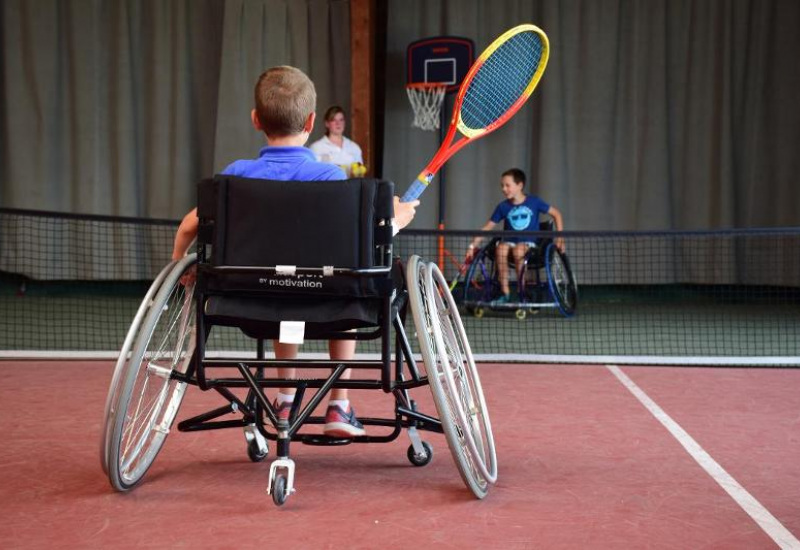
(414, 191)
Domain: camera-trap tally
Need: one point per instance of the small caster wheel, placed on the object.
(478, 313)
(521, 314)
(279, 494)
(255, 452)
(418, 460)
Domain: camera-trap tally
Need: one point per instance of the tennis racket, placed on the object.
(497, 86)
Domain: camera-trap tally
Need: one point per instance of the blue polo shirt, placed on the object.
(285, 164)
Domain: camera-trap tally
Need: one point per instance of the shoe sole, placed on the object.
(341, 429)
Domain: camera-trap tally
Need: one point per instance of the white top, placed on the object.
(327, 151)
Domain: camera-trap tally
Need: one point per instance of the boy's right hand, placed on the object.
(404, 212)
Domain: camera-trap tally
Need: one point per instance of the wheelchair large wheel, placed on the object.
(561, 280)
(452, 376)
(148, 397)
(122, 361)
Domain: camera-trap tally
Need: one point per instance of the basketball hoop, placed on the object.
(426, 99)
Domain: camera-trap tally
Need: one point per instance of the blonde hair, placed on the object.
(285, 97)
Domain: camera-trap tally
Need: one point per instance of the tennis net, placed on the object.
(70, 286)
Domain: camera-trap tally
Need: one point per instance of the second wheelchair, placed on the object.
(544, 280)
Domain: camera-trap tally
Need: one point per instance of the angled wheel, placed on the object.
(561, 281)
(122, 361)
(452, 376)
(463, 387)
(148, 396)
(480, 285)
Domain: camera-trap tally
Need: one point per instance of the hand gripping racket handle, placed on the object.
(417, 187)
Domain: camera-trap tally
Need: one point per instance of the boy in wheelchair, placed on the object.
(266, 273)
(518, 212)
(285, 103)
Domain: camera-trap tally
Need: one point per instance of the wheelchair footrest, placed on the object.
(325, 441)
(510, 305)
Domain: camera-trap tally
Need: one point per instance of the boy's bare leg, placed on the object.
(501, 256)
(519, 252)
(286, 351)
(341, 350)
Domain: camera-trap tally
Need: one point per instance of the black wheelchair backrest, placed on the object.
(275, 251)
(252, 222)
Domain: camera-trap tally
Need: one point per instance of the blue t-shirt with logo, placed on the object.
(285, 164)
(520, 217)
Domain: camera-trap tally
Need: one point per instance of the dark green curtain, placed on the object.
(120, 107)
(652, 114)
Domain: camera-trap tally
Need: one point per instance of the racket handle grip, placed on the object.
(413, 193)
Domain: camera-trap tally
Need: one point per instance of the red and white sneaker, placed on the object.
(340, 423)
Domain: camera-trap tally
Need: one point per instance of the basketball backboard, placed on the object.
(439, 59)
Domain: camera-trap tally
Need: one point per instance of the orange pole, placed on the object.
(441, 248)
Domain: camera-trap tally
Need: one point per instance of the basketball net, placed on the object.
(426, 99)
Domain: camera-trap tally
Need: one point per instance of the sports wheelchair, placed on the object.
(557, 289)
(277, 260)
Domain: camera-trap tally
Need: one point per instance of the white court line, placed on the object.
(771, 526)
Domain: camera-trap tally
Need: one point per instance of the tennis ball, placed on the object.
(358, 170)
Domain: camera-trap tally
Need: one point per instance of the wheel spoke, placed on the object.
(143, 430)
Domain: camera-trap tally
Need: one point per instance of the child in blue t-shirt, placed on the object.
(519, 212)
(285, 112)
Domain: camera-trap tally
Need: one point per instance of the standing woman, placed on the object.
(334, 148)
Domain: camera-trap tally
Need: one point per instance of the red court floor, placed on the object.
(582, 464)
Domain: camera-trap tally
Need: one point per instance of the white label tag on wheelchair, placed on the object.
(292, 332)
